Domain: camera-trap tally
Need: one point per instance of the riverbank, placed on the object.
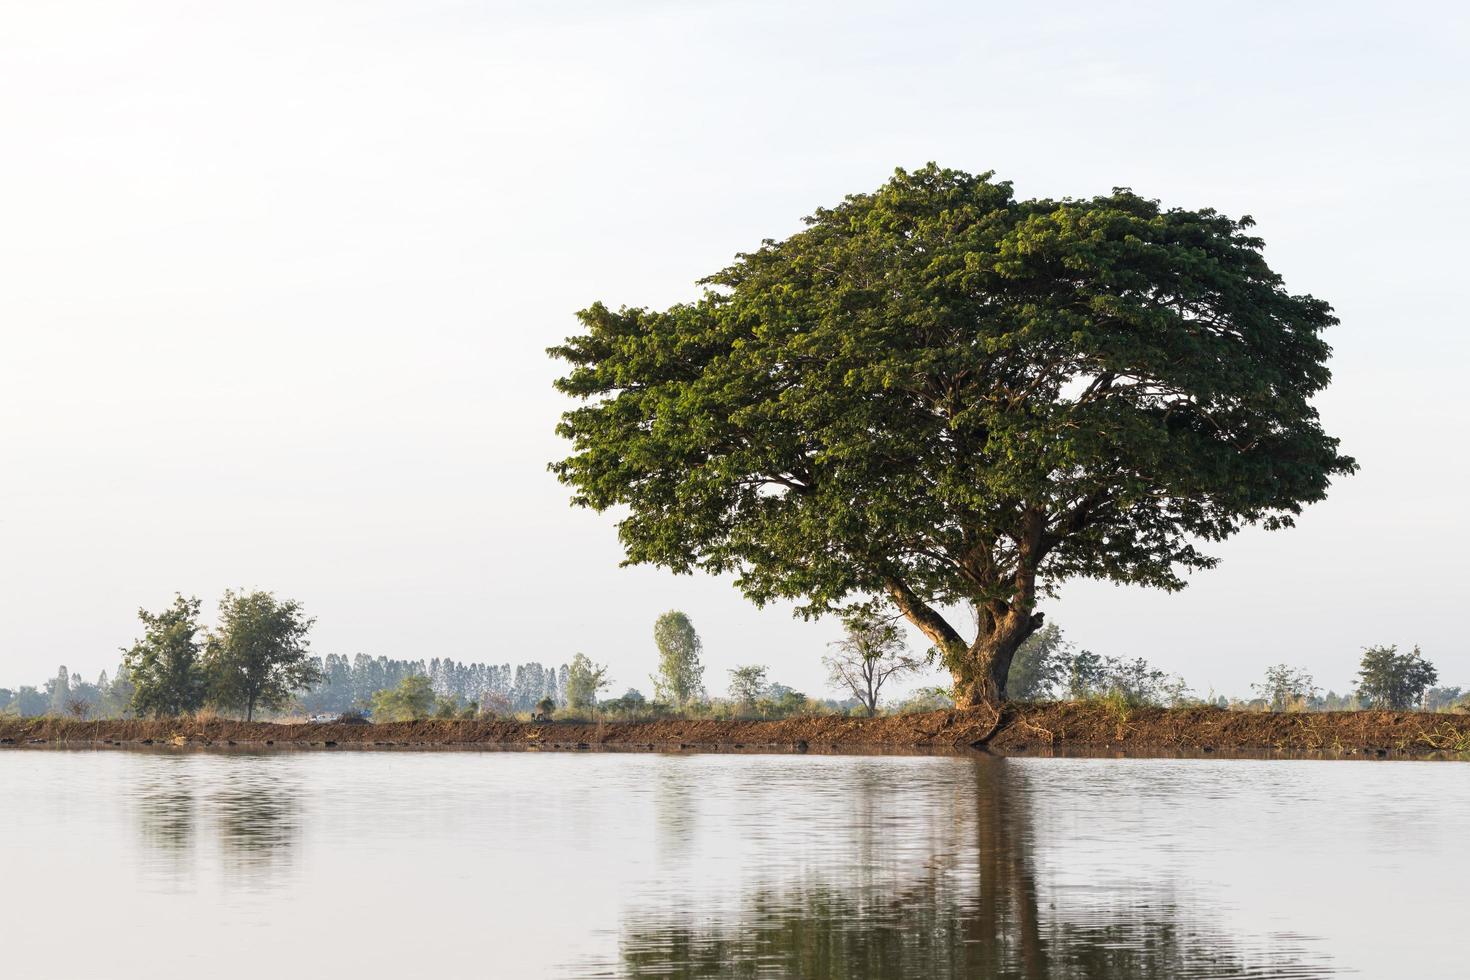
(1021, 729)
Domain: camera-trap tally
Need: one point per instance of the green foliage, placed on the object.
(941, 395)
(164, 667)
(27, 702)
(747, 684)
(1442, 698)
(926, 699)
(411, 700)
(680, 677)
(1285, 688)
(584, 680)
(1115, 679)
(258, 656)
(1389, 679)
(1041, 665)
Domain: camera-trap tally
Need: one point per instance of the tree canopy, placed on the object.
(258, 656)
(164, 665)
(680, 677)
(1389, 679)
(584, 680)
(942, 397)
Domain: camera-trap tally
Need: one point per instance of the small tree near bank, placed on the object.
(680, 678)
(164, 666)
(748, 685)
(258, 656)
(584, 680)
(1392, 680)
(1285, 688)
(872, 653)
(410, 700)
(938, 396)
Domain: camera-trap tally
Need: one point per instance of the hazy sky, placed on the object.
(276, 280)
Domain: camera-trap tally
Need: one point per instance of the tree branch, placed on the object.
(918, 612)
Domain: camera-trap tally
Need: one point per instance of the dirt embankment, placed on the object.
(1021, 729)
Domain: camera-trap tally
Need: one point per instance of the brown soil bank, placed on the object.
(1022, 728)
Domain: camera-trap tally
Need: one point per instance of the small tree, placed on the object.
(1286, 688)
(584, 680)
(680, 677)
(747, 685)
(59, 690)
(873, 652)
(411, 700)
(1389, 679)
(258, 657)
(495, 703)
(163, 669)
(78, 708)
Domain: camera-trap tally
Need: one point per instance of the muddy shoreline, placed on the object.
(1022, 729)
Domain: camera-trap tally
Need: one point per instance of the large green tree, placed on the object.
(258, 656)
(164, 666)
(947, 399)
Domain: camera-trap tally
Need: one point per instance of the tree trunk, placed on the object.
(980, 670)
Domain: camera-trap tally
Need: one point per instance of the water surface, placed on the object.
(454, 864)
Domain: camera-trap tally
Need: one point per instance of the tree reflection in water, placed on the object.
(253, 815)
(972, 914)
(166, 816)
(259, 820)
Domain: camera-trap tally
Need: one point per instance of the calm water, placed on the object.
(457, 864)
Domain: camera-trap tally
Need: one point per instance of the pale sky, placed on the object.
(276, 280)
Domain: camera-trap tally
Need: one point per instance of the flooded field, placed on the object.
(391, 864)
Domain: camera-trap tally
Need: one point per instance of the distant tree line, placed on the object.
(350, 684)
(1048, 667)
(255, 660)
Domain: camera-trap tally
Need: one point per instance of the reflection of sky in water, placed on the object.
(529, 864)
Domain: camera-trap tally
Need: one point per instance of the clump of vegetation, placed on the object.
(584, 680)
(411, 700)
(1285, 689)
(748, 685)
(926, 699)
(1050, 667)
(1389, 679)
